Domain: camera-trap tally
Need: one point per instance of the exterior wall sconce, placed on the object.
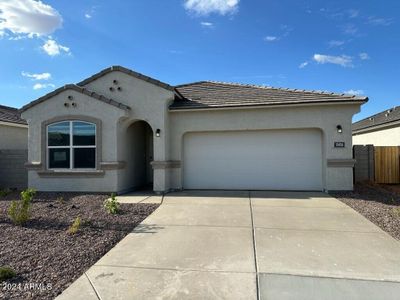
(158, 132)
(339, 128)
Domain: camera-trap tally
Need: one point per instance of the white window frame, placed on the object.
(71, 146)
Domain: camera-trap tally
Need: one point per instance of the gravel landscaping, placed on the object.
(45, 257)
(378, 203)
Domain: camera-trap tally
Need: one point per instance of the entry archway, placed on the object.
(140, 153)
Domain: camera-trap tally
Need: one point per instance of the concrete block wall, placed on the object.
(13, 173)
(364, 166)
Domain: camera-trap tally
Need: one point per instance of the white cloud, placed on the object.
(285, 31)
(52, 48)
(205, 7)
(39, 86)
(353, 13)
(379, 21)
(343, 60)
(271, 38)
(207, 24)
(354, 92)
(41, 76)
(28, 18)
(304, 64)
(88, 16)
(336, 43)
(174, 51)
(364, 56)
(350, 29)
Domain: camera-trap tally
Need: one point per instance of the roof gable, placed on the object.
(211, 94)
(128, 72)
(79, 89)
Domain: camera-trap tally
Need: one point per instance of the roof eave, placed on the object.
(376, 127)
(13, 124)
(202, 108)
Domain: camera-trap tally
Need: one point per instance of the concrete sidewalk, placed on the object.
(247, 245)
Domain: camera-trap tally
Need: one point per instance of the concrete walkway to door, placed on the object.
(247, 245)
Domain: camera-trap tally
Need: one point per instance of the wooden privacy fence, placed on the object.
(387, 164)
(378, 164)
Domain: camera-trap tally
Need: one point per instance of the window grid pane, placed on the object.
(84, 158)
(59, 134)
(59, 158)
(84, 134)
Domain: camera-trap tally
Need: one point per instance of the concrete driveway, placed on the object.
(247, 245)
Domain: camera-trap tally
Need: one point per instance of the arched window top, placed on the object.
(71, 145)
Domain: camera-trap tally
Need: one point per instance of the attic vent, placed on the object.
(371, 119)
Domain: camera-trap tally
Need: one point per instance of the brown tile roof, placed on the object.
(383, 118)
(80, 90)
(211, 94)
(129, 72)
(10, 115)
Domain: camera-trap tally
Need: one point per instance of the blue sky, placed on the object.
(339, 46)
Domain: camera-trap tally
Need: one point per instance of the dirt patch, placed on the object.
(45, 257)
(378, 203)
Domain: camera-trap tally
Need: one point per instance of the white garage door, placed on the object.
(253, 160)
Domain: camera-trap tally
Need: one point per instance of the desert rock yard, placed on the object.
(378, 203)
(45, 257)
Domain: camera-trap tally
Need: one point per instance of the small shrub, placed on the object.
(75, 226)
(60, 200)
(4, 192)
(28, 194)
(396, 212)
(19, 211)
(6, 273)
(111, 205)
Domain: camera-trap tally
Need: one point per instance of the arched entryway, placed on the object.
(140, 152)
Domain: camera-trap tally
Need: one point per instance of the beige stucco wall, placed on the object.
(383, 137)
(149, 103)
(13, 137)
(323, 117)
(86, 106)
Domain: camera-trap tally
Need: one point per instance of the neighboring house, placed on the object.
(13, 148)
(382, 129)
(119, 130)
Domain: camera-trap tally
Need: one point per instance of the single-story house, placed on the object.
(13, 148)
(119, 130)
(382, 129)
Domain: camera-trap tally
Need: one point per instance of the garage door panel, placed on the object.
(280, 159)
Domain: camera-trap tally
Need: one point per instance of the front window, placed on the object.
(71, 145)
